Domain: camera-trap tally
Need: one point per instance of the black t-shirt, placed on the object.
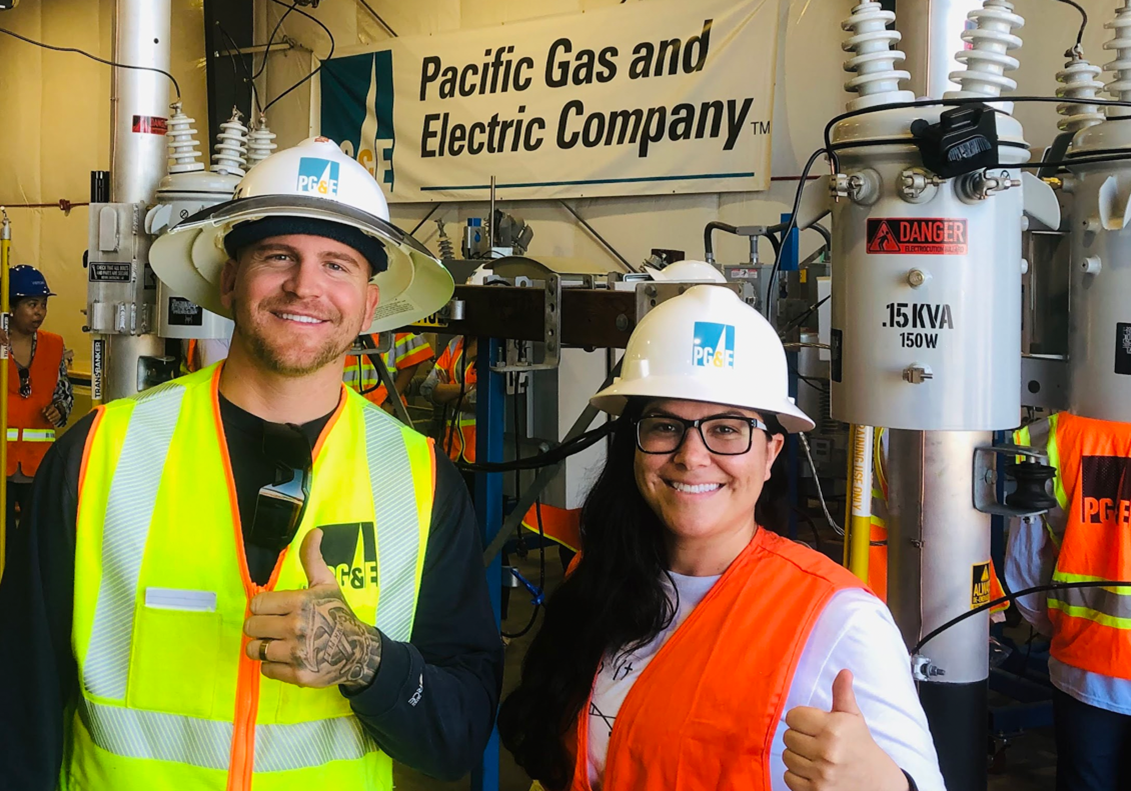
(430, 706)
(252, 470)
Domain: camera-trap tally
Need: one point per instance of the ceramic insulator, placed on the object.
(873, 62)
(231, 147)
(1079, 84)
(988, 59)
(1120, 87)
(183, 154)
(260, 144)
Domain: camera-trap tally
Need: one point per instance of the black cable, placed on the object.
(271, 40)
(708, 242)
(824, 232)
(951, 103)
(1083, 19)
(426, 216)
(238, 65)
(321, 62)
(799, 320)
(541, 575)
(792, 223)
(377, 16)
(550, 457)
(454, 425)
(176, 85)
(1014, 596)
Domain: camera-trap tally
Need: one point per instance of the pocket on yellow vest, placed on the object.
(175, 656)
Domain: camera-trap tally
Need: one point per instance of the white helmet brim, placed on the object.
(191, 256)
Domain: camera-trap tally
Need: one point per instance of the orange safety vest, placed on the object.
(704, 712)
(30, 434)
(558, 524)
(360, 374)
(459, 430)
(1092, 626)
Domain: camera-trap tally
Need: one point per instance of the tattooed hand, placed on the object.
(313, 638)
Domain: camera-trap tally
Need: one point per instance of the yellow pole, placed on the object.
(848, 497)
(5, 263)
(859, 532)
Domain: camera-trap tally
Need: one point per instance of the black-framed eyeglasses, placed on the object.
(25, 381)
(724, 435)
(280, 505)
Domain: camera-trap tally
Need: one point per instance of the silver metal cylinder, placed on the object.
(139, 102)
(932, 33)
(939, 547)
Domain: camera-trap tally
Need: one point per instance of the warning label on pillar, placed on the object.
(96, 364)
(979, 585)
(916, 236)
(150, 125)
(1123, 349)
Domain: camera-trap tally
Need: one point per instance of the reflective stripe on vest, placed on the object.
(32, 435)
(143, 706)
(129, 511)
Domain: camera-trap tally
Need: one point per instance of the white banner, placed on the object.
(657, 97)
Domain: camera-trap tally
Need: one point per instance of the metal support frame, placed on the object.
(489, 419)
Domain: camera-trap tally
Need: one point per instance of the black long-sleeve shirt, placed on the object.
(454, 650)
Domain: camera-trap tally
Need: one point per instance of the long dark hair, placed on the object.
(613, 600)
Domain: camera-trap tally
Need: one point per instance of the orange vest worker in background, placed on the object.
(40, 397)
(409, 352)
(452, 381)
(1086, 537)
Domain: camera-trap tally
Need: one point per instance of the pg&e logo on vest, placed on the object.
(318, 177)
(1106, 488)
(351, 553)
(714, 345)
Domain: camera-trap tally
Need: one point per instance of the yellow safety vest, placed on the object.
(168, 698)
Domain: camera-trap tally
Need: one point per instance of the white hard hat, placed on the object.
(480, 275)
(313, 181)
(687, 272)
(706, 345)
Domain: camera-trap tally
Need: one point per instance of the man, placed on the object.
(409, 352)
(1085, 537)
(40, 397)
(205, 602)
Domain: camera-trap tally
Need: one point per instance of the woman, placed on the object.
(691, 648)
(40, 397)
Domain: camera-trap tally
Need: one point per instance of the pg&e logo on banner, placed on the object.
(714, 345)
(318, 177)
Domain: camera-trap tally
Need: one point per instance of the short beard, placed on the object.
(271, 360)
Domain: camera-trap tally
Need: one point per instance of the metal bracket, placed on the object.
(924, 670)
(552, 332)
(985, 478)
(649, 295)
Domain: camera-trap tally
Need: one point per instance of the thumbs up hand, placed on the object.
(834, 751)
(311, 638)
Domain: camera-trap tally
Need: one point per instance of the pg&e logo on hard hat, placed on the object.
(714, 345)
(318, 177)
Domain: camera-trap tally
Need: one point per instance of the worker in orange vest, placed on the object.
(451, 383)
(40, 397)
(409, 352)
(1085, 537)
(691, 647)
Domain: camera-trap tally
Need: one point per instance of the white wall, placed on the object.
(809, 92)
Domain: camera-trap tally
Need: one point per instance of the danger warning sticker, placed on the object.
(916, 236)
(979, 585)
(150, 125)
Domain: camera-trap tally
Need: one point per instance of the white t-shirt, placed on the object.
(855, 631)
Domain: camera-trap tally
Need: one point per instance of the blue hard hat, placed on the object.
(27, 281)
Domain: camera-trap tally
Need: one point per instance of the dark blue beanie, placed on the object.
(249, 233)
